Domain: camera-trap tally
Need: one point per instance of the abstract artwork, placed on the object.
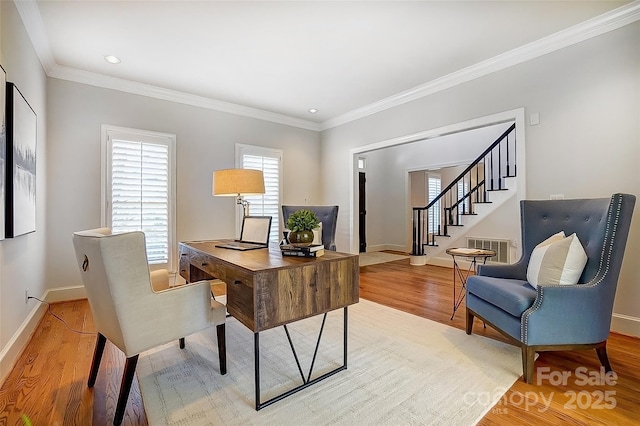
(20, 187)
(3, 146)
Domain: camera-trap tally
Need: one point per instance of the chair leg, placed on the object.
(97, 357)
(182, 343)
(469, 321)
(603, 357)
(528, 358)
(125, 388)
(222, 348)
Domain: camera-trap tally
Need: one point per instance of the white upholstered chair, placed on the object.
(137, 310)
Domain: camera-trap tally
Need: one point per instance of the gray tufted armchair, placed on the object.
(557, 317)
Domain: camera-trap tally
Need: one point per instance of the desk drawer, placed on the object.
(239, 294)
(204, 264)
(184, 263)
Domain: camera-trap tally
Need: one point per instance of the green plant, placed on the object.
(302, 220)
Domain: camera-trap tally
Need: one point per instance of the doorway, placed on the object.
(362, 211)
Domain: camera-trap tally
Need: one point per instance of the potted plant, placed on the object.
(301, 224)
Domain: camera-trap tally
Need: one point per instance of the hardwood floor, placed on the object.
(49, 382)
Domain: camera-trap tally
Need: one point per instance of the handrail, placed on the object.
(422, 227)
(471, 166)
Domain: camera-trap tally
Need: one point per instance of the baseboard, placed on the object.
(382, 247)
(625, 324)
(12, 351)
(65, 294)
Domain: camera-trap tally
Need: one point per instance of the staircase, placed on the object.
(482, 187)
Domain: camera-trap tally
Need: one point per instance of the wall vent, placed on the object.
(501, 247)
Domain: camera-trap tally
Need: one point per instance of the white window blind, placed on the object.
(139, 191)
(269, 161)
(434, 183)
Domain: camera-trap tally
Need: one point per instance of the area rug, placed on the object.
(375, 257)
(402, 369)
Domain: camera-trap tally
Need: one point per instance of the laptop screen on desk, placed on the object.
(255, 229)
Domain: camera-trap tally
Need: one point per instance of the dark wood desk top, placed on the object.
(261, 259)
(266, 289)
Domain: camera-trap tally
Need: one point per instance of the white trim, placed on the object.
(127, 86)
(18, 342)
(107, 130)
(517, 115)
(609, 21)
(32, 20)
(594, 27)
(625, 324)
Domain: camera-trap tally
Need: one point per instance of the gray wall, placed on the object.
(205, 141)
(586, 145)
(22, 259)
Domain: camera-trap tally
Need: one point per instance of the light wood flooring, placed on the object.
(49, 382)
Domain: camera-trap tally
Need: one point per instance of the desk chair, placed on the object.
(328, 215)
(135, 309)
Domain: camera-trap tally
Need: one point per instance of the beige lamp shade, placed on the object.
(235, 182)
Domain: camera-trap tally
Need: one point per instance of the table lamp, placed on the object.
(237, 183)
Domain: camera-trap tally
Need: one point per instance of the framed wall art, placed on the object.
(3, 146)
(20, 217)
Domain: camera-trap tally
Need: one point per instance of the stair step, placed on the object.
(499, 189)
(468, 214)
(455, 225)
(482, 202)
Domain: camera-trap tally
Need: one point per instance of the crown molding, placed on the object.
(32, 20)
(594, 27)
(136, 88)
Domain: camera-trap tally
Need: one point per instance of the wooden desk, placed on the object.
(266, 289)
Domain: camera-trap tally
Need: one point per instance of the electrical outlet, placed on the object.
(26, 296)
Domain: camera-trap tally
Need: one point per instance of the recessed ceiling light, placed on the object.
(112, 59)
(313, 110)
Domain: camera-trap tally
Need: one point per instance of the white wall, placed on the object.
(22, 259)
(586, 145)
(388, 191)
(205, 142)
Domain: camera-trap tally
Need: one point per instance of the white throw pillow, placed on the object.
(557, 260)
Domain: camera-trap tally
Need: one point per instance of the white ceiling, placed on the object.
(286, 57)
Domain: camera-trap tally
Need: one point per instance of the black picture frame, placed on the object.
(3, 147)
(22, 136)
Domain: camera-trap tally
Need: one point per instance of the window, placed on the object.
(270, 162)
(434, 183)
(138, 191)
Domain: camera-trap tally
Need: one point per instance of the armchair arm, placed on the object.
(167, 315)
(567, 314)
(516, 271)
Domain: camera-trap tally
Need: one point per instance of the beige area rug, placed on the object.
(375, 257)
(402, 369)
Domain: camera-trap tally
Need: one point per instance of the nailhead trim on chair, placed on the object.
(610, 232)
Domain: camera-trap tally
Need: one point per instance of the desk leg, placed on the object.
(305, 382)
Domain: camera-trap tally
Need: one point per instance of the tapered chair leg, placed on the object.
(469, 322)
(528, 358)
(182, 343)
(125, 388)
(222, 348)
(603, 357)
(97, 357)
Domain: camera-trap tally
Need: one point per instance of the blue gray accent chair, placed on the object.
(328, 215)
(557, 317)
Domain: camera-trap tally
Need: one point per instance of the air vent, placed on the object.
(501, 247)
